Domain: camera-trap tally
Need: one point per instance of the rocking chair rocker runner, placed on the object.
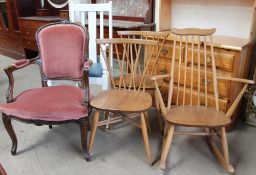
(189, 90)
(61, 57)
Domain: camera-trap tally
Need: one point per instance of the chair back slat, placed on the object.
(192, 71)
(147, 35)
(205, 72)
(191, 77)
(128, 51)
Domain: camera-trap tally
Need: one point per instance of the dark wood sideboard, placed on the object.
(20, 19)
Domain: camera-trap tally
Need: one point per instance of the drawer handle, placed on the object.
(164, 51)
(163, 71)
(29, 43)
(208, 59)
(27, 32)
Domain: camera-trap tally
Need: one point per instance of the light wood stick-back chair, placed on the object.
(188, 104)
(126, 100)
(160, 37)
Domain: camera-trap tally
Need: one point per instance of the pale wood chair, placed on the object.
(86, 14)
(160, 37)
(189, 90)
(126, 100)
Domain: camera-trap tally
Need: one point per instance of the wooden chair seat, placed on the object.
(149, 83)
(122, 101)
(197, 116)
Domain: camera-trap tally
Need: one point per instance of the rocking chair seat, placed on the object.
(56, 103)
(122, 101)
(197, 116)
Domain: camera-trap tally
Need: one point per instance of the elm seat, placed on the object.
(63, 103)
(124, 101)
(197, 116)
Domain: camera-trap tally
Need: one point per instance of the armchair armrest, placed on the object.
(239, 96)
(9, 72)
(88, 65)
(85, 85)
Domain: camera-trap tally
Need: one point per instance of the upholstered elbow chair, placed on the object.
(61, 57)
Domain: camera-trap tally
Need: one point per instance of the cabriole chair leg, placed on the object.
(11, 133)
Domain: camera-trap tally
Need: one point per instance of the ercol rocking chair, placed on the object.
(61, 57)
(189, 91)
(160, 37)
(98, 29)
(126, 100)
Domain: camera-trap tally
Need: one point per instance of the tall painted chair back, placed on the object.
(92, 16)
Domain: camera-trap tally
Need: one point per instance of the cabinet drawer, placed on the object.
(211, 100)
(30, 24)
(164, 67)
(167, 51)
(28, 33)
(223, 60)
(29, 44)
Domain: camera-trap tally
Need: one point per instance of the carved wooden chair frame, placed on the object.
(84, 84)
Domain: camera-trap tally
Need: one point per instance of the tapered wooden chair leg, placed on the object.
(166, 144)
(147, 122)
(224, 142)
(159, 116)
(94, 128)
(145, 138)
(11, 133)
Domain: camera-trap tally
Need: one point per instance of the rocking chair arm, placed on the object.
(9, 72)
(160, 99)
(239, 96)
(157, 77)
(236, 79)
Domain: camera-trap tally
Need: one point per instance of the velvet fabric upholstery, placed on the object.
(56, 103)
(62, 50)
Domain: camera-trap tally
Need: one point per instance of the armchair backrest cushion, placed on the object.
(62, 49)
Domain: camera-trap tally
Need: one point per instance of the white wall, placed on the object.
(229, 17)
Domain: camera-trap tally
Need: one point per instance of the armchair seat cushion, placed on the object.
(96, 70)
(56, 103)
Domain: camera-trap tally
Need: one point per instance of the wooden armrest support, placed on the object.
(236, 79)
(160, 99)
(9, 72)
(239, 96)
(156, 77)
(236, 101)
(88, 64)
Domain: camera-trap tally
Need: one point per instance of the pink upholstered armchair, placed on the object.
(62, 49)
